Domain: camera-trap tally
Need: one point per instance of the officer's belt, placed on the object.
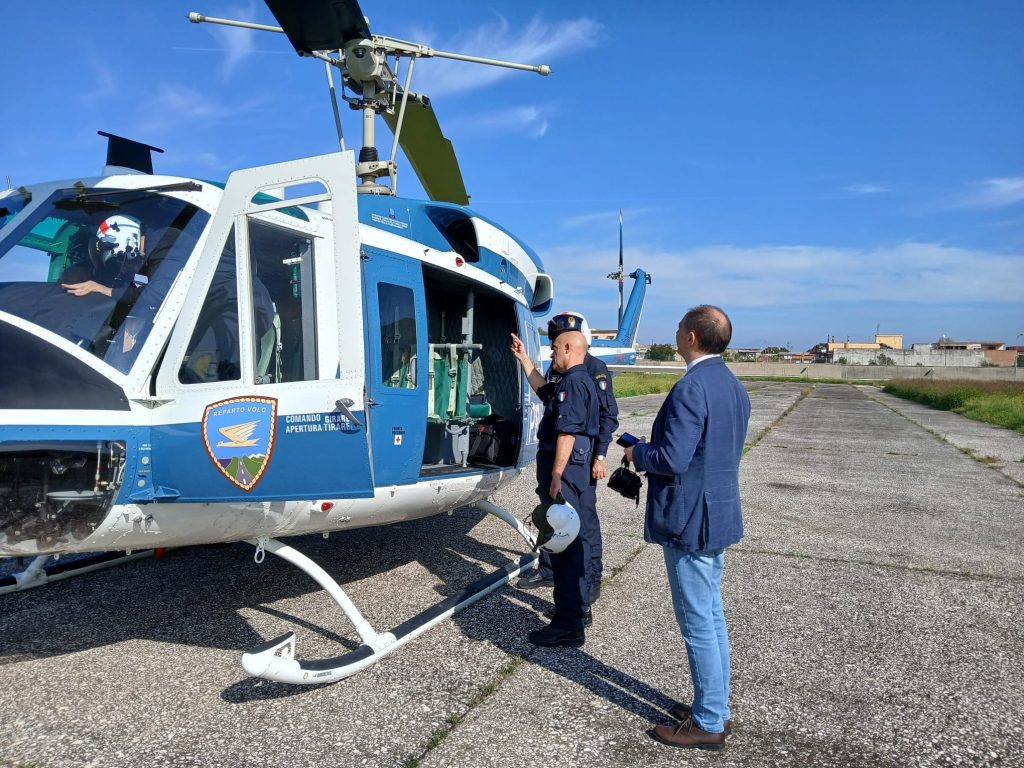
(550, 447)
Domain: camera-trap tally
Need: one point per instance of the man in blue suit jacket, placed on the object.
(693, 512)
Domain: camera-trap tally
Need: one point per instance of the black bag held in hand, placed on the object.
(626, 482)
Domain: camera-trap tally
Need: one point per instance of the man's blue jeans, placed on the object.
(696, 582)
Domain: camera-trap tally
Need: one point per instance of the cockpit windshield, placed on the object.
(94, 266)
(12, 201)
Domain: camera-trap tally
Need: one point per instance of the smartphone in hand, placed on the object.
(626, 440)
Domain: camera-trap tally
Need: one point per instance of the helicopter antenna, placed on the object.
(337, 33)
(620, 274)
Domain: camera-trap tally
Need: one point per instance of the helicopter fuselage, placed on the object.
(189, 364)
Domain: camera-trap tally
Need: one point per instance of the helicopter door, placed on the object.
(396, 346)
(262, 390)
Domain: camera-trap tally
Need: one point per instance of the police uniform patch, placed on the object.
(561, 397)
(603, 385)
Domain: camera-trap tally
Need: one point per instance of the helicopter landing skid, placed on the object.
(275, 660)
(37, 574)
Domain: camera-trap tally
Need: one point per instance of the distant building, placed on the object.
(743, 354)
(942, 353)
(882, 341)
(945, 343)
(797, 357)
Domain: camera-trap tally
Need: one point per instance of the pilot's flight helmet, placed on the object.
(557, 525)
(568, 321)
(118, 239)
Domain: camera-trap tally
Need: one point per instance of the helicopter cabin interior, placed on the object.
(472, 382)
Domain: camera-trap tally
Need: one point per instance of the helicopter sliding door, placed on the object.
(263, 376)
(396, 345)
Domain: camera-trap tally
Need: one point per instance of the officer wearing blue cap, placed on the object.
(566, 435)
(608, 422)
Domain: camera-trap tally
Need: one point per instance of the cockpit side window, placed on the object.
(94, 266)
(283, 304)
(213, 352)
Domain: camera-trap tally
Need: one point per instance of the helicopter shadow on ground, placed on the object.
(193, 595)
(457, 559)
(506, 616)
(443, 546)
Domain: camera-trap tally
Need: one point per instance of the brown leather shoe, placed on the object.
(682, 711)
(688, 735)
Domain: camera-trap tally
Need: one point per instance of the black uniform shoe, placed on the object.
(588, 616)
(534, 580)
(552, 636)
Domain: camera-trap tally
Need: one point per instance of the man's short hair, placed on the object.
(711, 326)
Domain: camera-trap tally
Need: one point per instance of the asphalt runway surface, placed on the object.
(874, 604)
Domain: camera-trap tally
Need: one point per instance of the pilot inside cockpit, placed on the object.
(112, 258)
(95, 267)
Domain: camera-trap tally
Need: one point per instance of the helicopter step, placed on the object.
(275, 660)
(37, 574)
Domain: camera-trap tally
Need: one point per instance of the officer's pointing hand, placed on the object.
(518, 348)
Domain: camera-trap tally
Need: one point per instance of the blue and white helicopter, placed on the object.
(295, 351)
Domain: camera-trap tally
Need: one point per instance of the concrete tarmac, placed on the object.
(874, 610)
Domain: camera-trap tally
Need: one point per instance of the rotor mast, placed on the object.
(363, 61)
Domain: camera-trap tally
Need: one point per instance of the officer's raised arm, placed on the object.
(533, 374)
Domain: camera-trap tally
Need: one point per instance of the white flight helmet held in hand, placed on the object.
(557, 525)
(568, 321)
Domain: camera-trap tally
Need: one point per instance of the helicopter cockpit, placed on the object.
(93, 266)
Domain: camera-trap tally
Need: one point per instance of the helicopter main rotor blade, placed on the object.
(320, 25)
(431, 154)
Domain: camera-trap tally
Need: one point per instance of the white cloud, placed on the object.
(866, 189)
(994, 193)
(236, 42)
(539, 42)
(174, 106)
(590, 219)
(609, 217)
(530, 121)
(105, 82)
(784, 276)
(188, 162)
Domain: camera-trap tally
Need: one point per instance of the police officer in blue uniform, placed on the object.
(608, 422)
(566, 435)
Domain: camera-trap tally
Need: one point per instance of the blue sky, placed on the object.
(815, 167)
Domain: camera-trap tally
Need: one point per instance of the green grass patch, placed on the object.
(993, 402)
(807, 380)
(633, 384)
(455, 719)
(629, 384)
